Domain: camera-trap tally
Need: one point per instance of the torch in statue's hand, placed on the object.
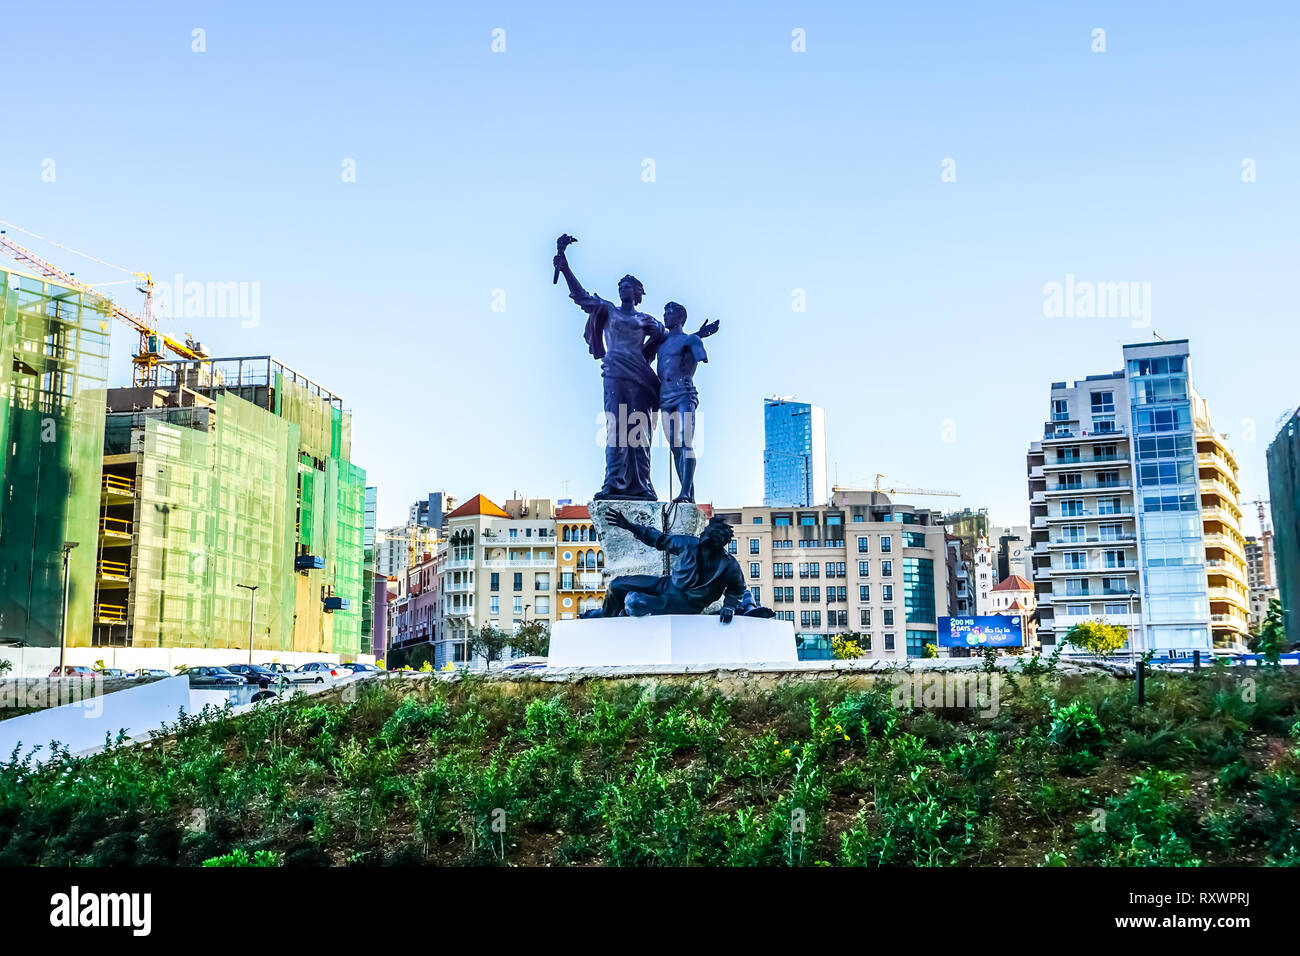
(559, 260)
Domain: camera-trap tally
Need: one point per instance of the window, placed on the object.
(731, 546)
(918, 591)
(1103, 402)
(914, 539)
(753, 546)
(519, 580)
(1060, 413)
(916, 641)
(886, 544)
(805, 618)
(886, 569)
(543, 605)
(755, 569)
(889, 617)
(757, 520)
(757, 594)
(864, 592)
(542, 582)
(864, 615)
(494, 605)
(780, 521)
(889, 642)
(495, 583)
(863, 542)
(886, 592)
(519, 604)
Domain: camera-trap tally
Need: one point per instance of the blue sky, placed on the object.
(774, 171)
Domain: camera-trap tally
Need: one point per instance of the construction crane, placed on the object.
(1260, 506)
(152, 342)
(880, 488)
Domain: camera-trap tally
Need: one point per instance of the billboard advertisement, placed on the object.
(986, 630)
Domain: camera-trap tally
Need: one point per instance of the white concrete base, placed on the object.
(670, 639)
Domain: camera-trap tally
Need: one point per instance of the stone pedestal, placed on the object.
(624, 554)
(673, 639)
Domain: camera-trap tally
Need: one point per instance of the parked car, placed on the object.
(72, 670)
(277, 667)
(317, 671)
(523, 663)
(359, 668)
(205, 676)
(110, 672)
(146, 672)
(256, 674)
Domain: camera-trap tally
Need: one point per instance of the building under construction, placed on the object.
(227, 489)
(53, 373)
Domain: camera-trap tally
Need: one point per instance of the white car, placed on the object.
(318, 672)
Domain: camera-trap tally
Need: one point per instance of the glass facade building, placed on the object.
(794, 454)
(1174, 583)
(1284, 498)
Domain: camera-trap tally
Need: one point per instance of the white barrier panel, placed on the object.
(81, 726)
(670, 639)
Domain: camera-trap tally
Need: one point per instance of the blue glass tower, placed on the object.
(794, 453)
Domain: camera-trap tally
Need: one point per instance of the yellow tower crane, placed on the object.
(152, 342)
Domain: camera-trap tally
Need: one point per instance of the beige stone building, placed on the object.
(860, 565)
(500, 569)
(580, 565)
(1225, 545)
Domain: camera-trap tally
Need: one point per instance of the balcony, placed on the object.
(116, 572)
(114, 531)
(1229, 569)
(1088, 461)
(1094, 514)
(117, 487)
(1229, 596)
(1225, 541)
(461, 588)
(1220, 513)
(1091, 487)
(1058, 434)
(110, 613)
(518, 563)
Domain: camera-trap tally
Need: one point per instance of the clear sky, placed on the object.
(924, 334)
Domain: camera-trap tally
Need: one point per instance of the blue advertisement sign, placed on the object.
(986, 630)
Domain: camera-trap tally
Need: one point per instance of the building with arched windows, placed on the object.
(580, 563)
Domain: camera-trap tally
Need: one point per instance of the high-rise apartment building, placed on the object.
(1284, 497)
(860, 565)
(1133, 511)
(794, 453)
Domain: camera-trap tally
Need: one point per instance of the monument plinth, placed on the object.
(670, 639)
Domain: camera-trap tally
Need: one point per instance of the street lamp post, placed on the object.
(252, 605)
(63, 618)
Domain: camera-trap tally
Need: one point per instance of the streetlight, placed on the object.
(63, 620)
(252, 604)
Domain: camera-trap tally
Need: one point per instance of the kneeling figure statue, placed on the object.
(704, 571)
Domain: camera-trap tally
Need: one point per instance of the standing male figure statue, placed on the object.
(678, 356)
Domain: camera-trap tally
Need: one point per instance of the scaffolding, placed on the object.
(53, 372)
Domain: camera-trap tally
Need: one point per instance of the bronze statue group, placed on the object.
(624, 340)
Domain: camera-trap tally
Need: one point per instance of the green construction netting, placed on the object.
(216, 511)
(53, 371)
(326, 429)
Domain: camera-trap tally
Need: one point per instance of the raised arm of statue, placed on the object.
(585, 300)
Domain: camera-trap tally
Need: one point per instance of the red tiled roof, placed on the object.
(478, 505)
(572, 512)
(1014, 583)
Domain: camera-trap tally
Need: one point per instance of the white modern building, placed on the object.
(1130, 521)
